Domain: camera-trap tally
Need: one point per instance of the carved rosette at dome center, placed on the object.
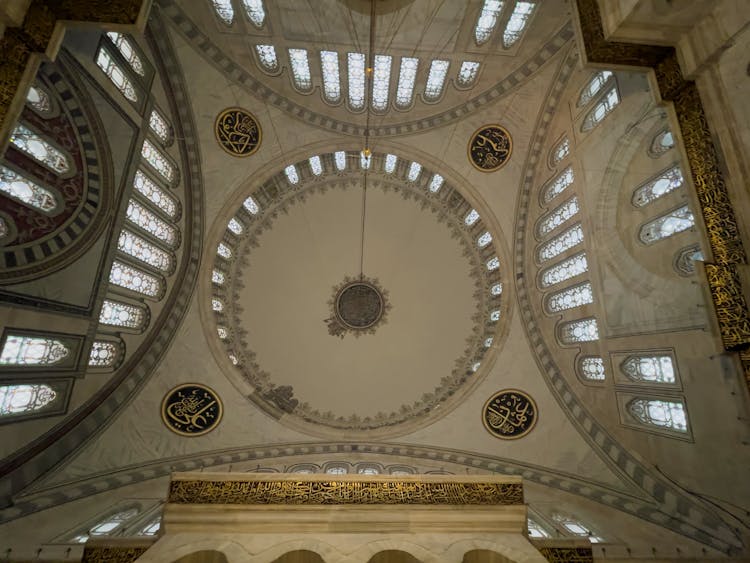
(358, 307)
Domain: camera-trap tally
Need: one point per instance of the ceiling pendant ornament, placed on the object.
(238, 132)
(191, 409)
(509, 414)
(490, 148)
(358, 306)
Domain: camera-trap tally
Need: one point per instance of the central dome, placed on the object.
(427, 317)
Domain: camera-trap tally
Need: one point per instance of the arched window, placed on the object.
(369, 470)
(651, 369)
(517, 23)
(568, 268)
(407, 77)
(106, 62)
(660, 413)
(557, 217)
(365, 160)
(557, 185)
(103, 354)
(339, 158)
(415, 169)
(300, 69)
(337, 470)
(161, 199)
(152, 528)
(145, 219)
(660, 185)
(218, 277)
(493, 263)
(390, 163)
(255, 12)
(570, 298)
(583, 330)
(561, 243)
(316, 166)
(496, 289)
(222, 332)
(224, 251)
(40, 150)
(381, 81)
(39, 100)
(436, 79)
(216, 305)
(27, 192)
(356, 71)
(592, 368)
(235, 226)
(471, 218)
(686, 258)
(662, 142)
(576, 528)
(116, 313)
(436, 183)
(467, 74)
(484, 239)
(250, 205)
(602, 109)
(536, 530)
(593, 87)
(113, 523)
(487, 20)
(224, 10)
(267, 57)
(142, 250)
(136, 280)
(329, 68)
(128, 51)
(560, 151)
(25, 398)
(160, 126)
(291, 174)
(19, 350)
(676, 221)
(158, 161)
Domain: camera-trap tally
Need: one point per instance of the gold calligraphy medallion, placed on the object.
(191, 409)
(490, 148)
(509, 414)
(238, 132)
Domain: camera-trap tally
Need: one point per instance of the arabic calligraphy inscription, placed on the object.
(191, 410)
(490, 148)
(238, 132)
(509, 414)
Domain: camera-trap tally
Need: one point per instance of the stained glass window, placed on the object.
(592, 368)
(558, 216)
(407, 76)
(224, 251)
(103, 354)
(436, 183)
(115, 313)
(329, 67)
(493, 263)
(113, 523)
(267, 57)
(235, 226)
(561, 243)
(356, 71)
(217, 277)
(21, 350)
(368, 471)
(653, 369)
(339, 470)
(38, 99)
(4, 229)
(142, 250)
(575, 528)
(291, 174)
(250, 205)
(601, 110)
(664, 414)
(37, 148)
(24, 398)
(315, 165)
(135, 280)
(484, 240)
(224, 10)
(436, 79)
(217, 305)
(591, 89)
(365, 160)
(560, 151)
(159, 125)
(471, 218)
(488, 342)
(255, 11)
(467, 74)
(496, 289)
(487, 20)
(381, 80)
(570, 298)
(300, 68)
(138, 215)
(152, 528)
(161, 199)
(27, 192)
(390, 163)
(686, 258)
(157, 160)
(339, 158)
(584, 330)
(113, 71)
(663, 141)
(233, 359)
(667, 225)
(535, 530)
(222, 332)
(127, 50)
(558, 185)
(517, 23)
(568, 268)
(665, 182)
(495, 315)
(415, 169)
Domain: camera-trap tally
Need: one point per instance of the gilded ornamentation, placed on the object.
(490, 148)
(358, 306)
(567, 554)
(238, 132)
(343, 492)
(509, 414)
(111, 554)
(729, 304)
(191, 409)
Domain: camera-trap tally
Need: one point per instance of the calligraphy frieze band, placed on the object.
(567, 554)
(344, 492)
(729, 304)
(111, 554)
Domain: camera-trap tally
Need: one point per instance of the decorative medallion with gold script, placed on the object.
(238, 132)
(509, 414)
(490, 148)
(191, 409)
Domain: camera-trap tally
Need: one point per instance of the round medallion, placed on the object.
(191, 409)
(490, 148)
(359, 305)
(509, 414)
(238, 132)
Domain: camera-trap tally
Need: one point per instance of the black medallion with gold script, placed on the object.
(509, 414)
(490, 147)
(191, 409)
(238, 132)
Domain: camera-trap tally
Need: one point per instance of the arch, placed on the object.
(299, 556)
(484, 556)
(393, 556)
(203, 556)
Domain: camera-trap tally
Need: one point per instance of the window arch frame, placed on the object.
(649, 183)
(215, 11)
(624, 377)
(627, 418)
(35, 182)
(107, 46)
(584, 98)
(656, 149)
(59, 405)
(526, 23)
(54, 110)
(120, 299)
(73, 343)
(580, 372)
(589, 122)
(45, 138)
(552, 160)
(664, 217)
(121, 351)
